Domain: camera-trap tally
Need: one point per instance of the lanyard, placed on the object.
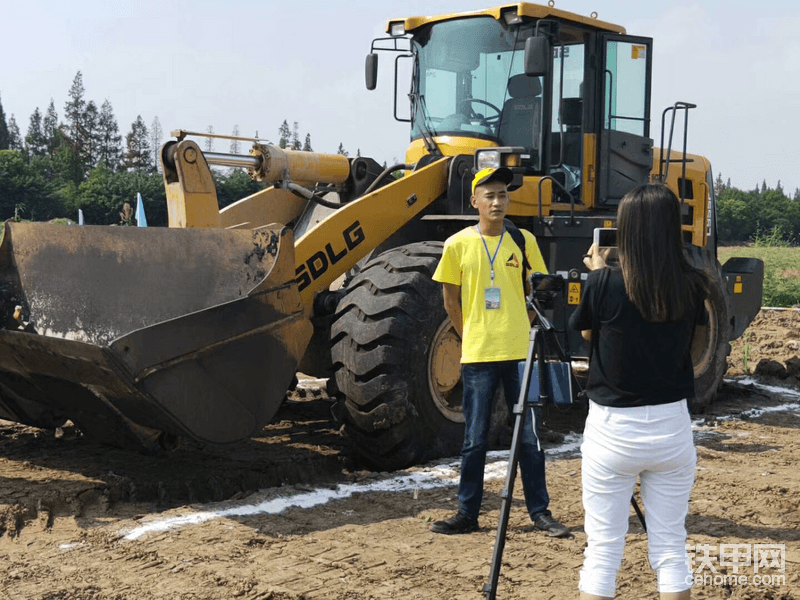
(496, 250)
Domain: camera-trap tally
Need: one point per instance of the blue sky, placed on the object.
(255, 63)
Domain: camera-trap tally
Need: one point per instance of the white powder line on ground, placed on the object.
(417, 478)
(792, 406)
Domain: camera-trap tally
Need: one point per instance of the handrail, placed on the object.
(663, 172)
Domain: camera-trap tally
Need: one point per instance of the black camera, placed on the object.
(542, 282)
(544, 288)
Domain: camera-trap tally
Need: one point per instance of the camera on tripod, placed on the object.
(544, 288)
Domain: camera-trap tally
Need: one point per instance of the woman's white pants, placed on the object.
(655, 444)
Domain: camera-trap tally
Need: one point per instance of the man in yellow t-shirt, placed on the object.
(481, 272)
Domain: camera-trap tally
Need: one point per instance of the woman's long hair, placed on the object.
(658, 277)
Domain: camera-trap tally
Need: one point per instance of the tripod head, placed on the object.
(544, 288)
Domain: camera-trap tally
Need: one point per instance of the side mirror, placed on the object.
(371, 71)
(537, 56)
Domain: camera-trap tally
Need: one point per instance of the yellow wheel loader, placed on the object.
(139, 335)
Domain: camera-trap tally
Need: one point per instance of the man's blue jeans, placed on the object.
(480, 381)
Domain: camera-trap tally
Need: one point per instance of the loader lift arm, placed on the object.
(204, 333)
(334, 245)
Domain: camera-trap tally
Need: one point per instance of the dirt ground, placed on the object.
(80, 521)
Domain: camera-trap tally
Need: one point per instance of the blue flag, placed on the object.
(141, 220)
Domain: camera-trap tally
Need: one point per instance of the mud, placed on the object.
(292, 514)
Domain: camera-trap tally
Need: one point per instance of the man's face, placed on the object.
(491, 201)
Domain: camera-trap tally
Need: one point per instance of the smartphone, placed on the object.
(605, 237)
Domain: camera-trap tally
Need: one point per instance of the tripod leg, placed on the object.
(639, 513)
(507, 493)
(506, 496)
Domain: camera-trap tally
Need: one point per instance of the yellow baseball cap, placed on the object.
(488, 174)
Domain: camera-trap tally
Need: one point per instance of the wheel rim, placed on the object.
(444, 372)
(704, 343)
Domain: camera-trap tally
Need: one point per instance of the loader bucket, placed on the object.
(135, 332)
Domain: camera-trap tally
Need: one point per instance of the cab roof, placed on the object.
(523, 9)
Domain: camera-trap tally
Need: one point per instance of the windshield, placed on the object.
(469, 81)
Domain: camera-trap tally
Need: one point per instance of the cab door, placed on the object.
(625, 153)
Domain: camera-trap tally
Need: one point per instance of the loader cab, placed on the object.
(581, 120)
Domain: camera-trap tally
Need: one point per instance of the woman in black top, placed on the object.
(642, 315)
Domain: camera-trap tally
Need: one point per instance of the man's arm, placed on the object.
(452, 304)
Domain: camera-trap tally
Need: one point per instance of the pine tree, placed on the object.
(49, 127)
(307, 143)
(764, 187)
(284, 134)
(156, 135)
(109, 140)
(14, 138)
(296, 145)
(138, 156)
(210, 140)
(73, 109)
(235, 143)
(35, 141)
(3, 129)
(341, 150)
(90, 134)
(719, 187)
(80, 125)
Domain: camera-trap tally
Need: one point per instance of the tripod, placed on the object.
(536, 351)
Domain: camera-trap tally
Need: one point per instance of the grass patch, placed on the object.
(781, 274)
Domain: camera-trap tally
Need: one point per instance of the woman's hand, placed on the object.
(596, 258)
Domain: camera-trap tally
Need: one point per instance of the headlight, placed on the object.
(487, 158)
(397, 29)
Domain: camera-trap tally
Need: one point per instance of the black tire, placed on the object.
(383, 337)
(711, 344)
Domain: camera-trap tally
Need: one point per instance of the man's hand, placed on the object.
(596, 258)
(452, 304)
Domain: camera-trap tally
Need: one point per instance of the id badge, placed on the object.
(491, 297)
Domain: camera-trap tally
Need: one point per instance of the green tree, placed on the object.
(14, 137)
(156, 137)
(210, 140)
(27, 186)
(80, 119)
(235, 143)
(109, 140)
(35, 141)
(91, 134)
(104, 193)
(751, 216)
(234, 187)
(284, 134)
(735, 217)
(137, 143)
(3, 129)
(307, 143)
(342, 151)
(296, 145)
(719, 186)
(50, 126)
